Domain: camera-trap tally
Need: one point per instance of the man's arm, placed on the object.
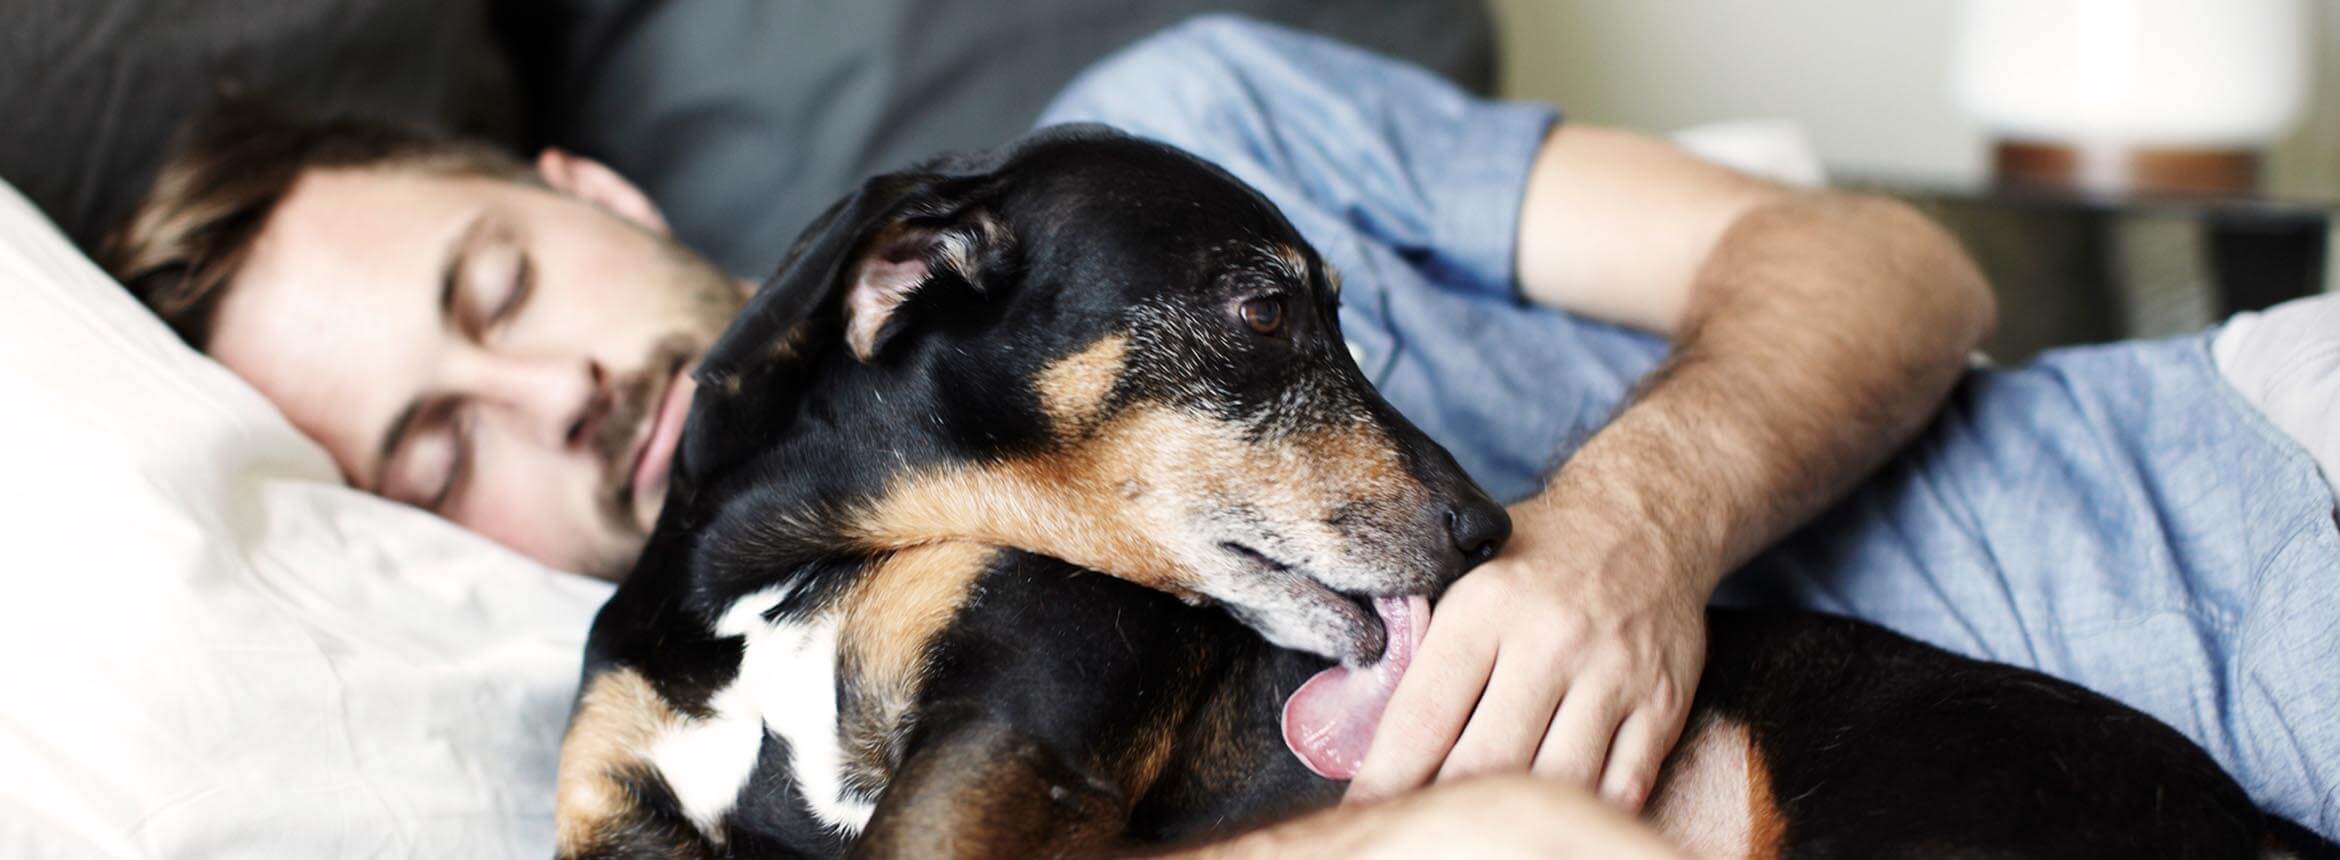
(1489, 817)
(1813, 333)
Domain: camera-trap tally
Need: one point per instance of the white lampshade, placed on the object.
(2178, 73)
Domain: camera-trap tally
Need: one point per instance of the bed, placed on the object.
(214, 647)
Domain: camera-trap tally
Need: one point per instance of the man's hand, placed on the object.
(1813, 333)
(1573, 654)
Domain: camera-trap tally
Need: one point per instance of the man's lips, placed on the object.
(655, 455)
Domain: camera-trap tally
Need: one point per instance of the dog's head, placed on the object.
(1096, 348)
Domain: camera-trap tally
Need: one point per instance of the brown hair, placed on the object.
(227, 172)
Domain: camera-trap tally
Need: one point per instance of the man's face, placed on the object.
(513, 357)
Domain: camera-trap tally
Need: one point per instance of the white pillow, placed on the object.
(214, 648)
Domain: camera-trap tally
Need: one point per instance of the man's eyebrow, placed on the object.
(399, 427)
(450, 287)
(451, 269)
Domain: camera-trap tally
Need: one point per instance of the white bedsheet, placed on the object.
(2286, 361)
(214, 649)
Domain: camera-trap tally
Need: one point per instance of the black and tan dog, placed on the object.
(865, 621)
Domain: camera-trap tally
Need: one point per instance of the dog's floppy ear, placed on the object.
(915, 250)
(898, 232)
(845, 280)
(861, 259)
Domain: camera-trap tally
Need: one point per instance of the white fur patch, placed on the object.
(787, 685)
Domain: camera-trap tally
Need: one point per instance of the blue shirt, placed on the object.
(2113, 515)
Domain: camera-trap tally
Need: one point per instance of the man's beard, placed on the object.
(710, 300)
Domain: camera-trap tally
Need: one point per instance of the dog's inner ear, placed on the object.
(907, 257)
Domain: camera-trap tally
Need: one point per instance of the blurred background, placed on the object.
(1870, 82)
(2120, 167)
(1897, 97)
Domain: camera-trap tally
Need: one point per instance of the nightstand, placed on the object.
(2082, 268)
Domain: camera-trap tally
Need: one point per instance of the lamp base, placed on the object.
(2117, 169)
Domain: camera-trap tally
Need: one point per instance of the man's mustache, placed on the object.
(629, 402)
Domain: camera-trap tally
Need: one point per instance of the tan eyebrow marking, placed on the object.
(1072, 390)
(1293, 263)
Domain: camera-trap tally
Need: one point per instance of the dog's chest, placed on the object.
(834, 684)
(787, 687)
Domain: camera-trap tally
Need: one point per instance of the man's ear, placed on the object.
(910, 255)
(595, 183)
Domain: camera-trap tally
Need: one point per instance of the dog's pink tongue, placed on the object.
(1329, 721)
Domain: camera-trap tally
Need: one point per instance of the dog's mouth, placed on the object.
(1362, 636)
(1330, 720)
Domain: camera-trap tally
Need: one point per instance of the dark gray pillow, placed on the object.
(744, 118)
(94, 89)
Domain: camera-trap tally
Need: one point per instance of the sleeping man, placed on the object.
(1674, 372)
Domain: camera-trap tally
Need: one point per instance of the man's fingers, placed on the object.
(1642, 743)
(1426, 713)
(1511, 719)
(1579, 740)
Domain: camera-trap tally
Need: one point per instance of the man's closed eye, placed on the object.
(429, 471)
(499, 279)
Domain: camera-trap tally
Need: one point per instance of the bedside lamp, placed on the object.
(2132, 96)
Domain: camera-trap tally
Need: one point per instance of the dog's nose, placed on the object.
(1478, 527)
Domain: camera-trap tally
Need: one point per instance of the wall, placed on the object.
(1868, 80)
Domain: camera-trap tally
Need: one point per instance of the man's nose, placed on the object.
(558, 400)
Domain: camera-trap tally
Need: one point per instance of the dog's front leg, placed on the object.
(984, 789)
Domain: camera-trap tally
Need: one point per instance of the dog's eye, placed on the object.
(1264, 314)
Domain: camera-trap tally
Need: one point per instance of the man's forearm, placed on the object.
(1820, 334)
(1506, 816)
